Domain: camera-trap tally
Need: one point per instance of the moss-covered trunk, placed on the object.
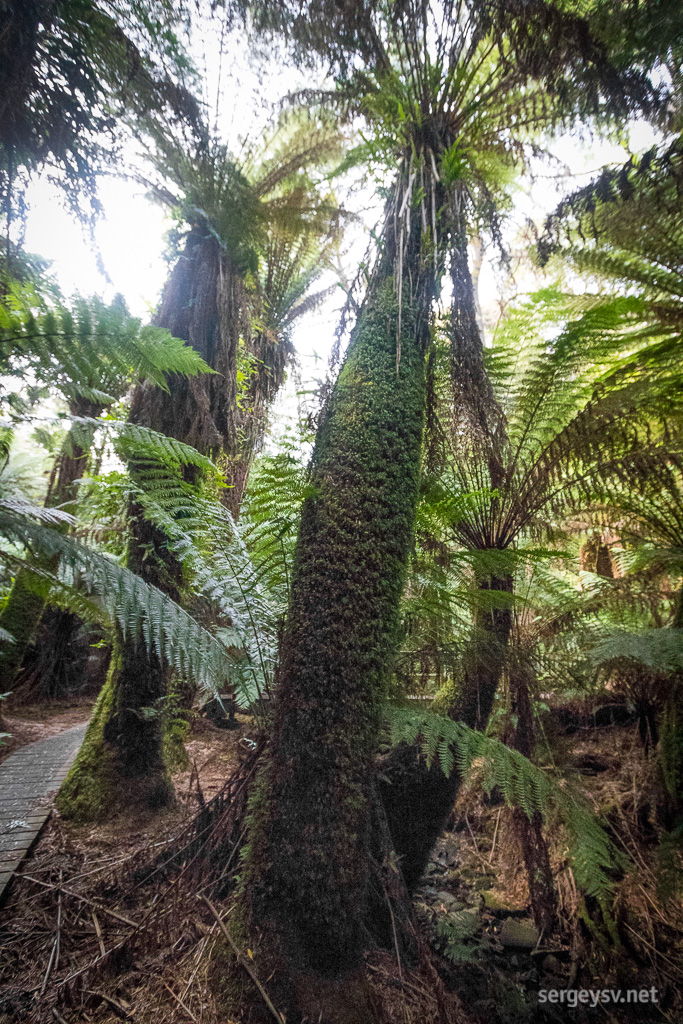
(307, 874)
(27, 598)
(203, 305)
(418, 799)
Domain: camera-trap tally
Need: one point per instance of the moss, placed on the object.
(20, 617)
(102, 779)
(307, 866)
(90, 789)
(175, 726)
(445, 698)
(173, 750)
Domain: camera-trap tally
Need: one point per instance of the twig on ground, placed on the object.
(179, 1001)
(203, 943)
(242, 962)
(114, 1003)
(54, 955)
(77, 895)
(98, 932)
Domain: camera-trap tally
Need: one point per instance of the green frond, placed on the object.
(657, 649)
(141, 610)
(89, 351)
(592, 855)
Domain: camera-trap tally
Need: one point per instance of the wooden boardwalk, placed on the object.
(28, 781)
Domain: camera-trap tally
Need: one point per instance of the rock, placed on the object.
(494, 902)
(551, 965)
(519, 934)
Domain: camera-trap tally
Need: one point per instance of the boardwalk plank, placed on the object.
(28, 780)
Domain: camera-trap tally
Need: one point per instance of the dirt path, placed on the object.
(28, 723)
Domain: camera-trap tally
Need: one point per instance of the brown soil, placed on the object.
(29, 723)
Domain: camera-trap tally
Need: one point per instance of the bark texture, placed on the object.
(203, 305)
(542, 894)
(418, 799)
(309, 873)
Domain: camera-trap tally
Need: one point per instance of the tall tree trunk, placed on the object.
(27, 598)
(203, 304)
(670, 748)
(542, 893)
(418, 800)
(308, 872)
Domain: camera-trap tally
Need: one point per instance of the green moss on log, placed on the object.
(90, 789)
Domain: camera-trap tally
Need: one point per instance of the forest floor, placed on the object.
(125, 941)
(31, 722)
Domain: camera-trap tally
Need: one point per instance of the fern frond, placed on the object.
(141, 610)
(593, 857)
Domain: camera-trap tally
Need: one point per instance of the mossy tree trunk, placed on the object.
(418, 799)
(308, 872)
(203, 304)
(28, 596)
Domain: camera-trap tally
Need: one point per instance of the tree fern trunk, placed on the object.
(203, 305)
(670, 749)
(542, 893)
(26, 601)
(418, 799)
(308, 871)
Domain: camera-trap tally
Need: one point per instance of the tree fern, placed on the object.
(88, 350)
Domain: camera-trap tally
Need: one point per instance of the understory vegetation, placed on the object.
(382, 673)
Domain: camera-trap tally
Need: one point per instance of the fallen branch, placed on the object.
(91, 903)
(242, 962)
(179, 1001)
(115, 1005)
